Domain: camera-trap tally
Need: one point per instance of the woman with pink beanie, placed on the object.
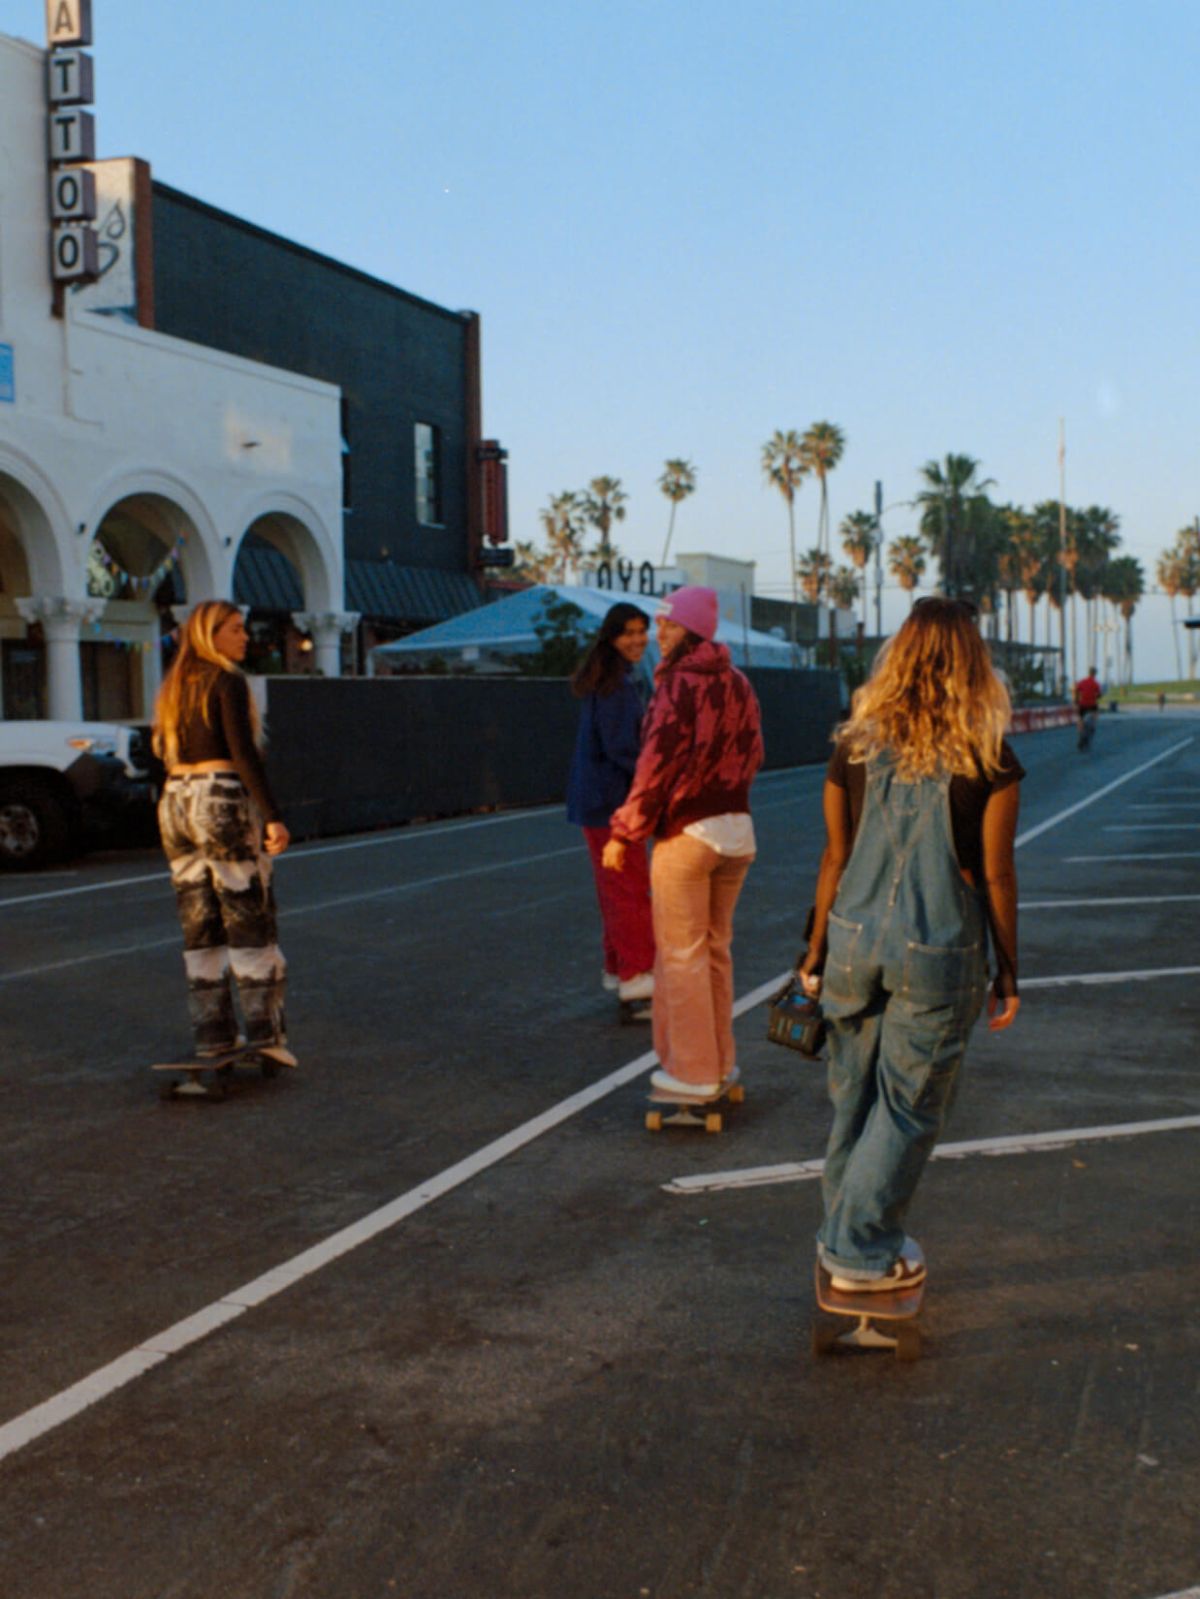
(701, 746)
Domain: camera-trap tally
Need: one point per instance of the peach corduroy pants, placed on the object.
(693, 894)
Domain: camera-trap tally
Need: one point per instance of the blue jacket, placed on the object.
(606, 754)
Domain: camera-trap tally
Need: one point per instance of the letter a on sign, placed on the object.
(68, 22)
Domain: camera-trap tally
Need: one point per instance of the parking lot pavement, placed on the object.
(542, 1371)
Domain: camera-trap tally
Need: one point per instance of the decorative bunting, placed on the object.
(140, 585)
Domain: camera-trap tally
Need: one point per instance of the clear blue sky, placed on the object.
(941, 225)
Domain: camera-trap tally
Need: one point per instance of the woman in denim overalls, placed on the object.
(920, 811)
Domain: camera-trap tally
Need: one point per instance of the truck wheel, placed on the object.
(35, 824)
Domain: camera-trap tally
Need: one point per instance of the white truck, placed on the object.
(63, 781)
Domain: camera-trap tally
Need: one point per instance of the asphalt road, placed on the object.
(330, 1338)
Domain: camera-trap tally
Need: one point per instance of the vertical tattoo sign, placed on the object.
(71, 141)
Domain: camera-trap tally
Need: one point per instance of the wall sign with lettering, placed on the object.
(71, 140)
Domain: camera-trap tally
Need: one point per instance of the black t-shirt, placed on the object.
(968, 797)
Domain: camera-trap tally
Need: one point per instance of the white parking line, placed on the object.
(803, 1171)
(81, 1395)
(1117, 782)
(1157, 855)
(302, 910)
(1152, 827)
(1125, 899)
(398, 835)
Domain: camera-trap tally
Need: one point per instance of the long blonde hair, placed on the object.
(933, 699)
(187, 688)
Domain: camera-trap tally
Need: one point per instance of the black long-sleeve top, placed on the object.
(228, 734)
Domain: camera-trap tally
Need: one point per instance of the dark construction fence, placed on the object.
(348, 754)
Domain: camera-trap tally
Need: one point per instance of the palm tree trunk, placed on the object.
(670, 531)
(795, 579)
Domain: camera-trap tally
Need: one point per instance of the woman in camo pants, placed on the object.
(220, 828)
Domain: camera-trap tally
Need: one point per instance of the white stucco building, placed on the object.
(128, 458)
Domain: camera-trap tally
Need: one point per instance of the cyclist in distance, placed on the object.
(1087, 702)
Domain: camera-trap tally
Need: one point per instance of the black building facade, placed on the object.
(409, 372)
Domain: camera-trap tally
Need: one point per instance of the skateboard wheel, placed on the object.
(908, 1343)
(713, 1122)
(823, 1338)
(654, 1121)
(737, 1094)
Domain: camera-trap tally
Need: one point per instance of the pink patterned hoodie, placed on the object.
(701, 746)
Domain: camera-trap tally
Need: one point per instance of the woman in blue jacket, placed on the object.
(606, 754)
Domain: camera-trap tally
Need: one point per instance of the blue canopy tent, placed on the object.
(490, 637)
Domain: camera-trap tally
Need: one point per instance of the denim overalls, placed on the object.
(905, 977)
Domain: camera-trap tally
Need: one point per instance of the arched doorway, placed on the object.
(29, 563)
(137, 561)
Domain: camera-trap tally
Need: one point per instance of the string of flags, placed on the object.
(143, 647)
(140, 585)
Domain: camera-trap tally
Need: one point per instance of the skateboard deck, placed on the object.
(635, 1010)
(883, 1320)
(210, 1079)
(694, 1110)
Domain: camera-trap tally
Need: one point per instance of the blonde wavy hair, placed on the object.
(187, 688)
(933, 699)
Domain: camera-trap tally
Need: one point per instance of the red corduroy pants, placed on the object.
(625, 917)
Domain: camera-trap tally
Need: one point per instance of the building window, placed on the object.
(429, 473)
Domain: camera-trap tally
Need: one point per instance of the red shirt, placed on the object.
(1087, 693)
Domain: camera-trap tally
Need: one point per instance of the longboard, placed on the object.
(210, 1079)
(694, 1110)
(883, 1320)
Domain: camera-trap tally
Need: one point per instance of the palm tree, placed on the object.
(562, 521)
(823, 446)
(784, 467)
(1187, 543)
(945, 525)
(601, 506)
(1123, 585)
(860, 533)
(813, 570)
(677, 482)
(906, 562)
(531, 564)
(1097, 538)
(1169, 573)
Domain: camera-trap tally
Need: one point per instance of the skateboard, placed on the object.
(695, 1110)
(883, 1320)
(210, 1079)
(635, 1010)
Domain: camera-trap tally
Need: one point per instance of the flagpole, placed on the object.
(1062, 552)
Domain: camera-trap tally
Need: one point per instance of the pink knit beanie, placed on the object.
(693, 607)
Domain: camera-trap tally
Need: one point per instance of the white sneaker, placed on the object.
(639, 987)
(676, 1085)
(610, 982)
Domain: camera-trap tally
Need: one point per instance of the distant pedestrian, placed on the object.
(614, 695)
(921, 801)
(1162, 699)
(220, 825)
(701, 747)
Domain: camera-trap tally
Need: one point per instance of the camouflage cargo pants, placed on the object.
(222, 879)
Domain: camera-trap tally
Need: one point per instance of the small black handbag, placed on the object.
(795, 1020)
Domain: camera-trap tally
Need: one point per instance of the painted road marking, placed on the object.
(81, 1395)
(300, 910)
(1117, 782)
(1162, 855)
(1092, 978)
(399, 835)
(1125, 899)
(803, 1171)
(1151, 827)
